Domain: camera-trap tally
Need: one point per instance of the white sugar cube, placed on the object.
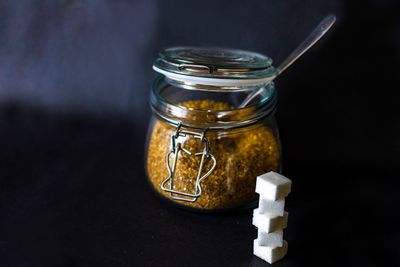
(270, 254)
(268, 223)
(272, 207)
(273, 239)
(273, 186)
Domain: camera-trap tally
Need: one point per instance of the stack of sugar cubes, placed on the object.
(270, 217)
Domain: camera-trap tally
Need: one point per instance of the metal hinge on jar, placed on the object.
(176, 147)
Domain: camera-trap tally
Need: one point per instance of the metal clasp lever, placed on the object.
(167, 185)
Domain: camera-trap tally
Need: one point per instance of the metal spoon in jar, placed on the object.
(314, 36)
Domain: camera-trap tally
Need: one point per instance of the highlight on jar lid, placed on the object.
(214, 68)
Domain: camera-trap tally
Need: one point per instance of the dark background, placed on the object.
(74, 85)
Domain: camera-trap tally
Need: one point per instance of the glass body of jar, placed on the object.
(204, 153)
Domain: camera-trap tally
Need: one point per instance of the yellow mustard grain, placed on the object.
(241, 157)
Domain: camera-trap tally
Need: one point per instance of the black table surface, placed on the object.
(73, 193)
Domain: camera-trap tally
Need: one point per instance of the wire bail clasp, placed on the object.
(167, 185)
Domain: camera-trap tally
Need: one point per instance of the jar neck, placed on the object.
(175, 114)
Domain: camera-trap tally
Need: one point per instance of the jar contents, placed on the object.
(241, 155)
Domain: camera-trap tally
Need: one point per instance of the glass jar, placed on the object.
(213, 129)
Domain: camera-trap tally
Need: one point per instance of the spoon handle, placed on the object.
(314, 36)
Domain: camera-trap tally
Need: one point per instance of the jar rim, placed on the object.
(221, 119)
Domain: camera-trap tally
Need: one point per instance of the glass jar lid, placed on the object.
(213, 68)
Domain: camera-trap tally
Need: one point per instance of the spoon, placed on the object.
(312, 38)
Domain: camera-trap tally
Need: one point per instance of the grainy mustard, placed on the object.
(241, 156)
